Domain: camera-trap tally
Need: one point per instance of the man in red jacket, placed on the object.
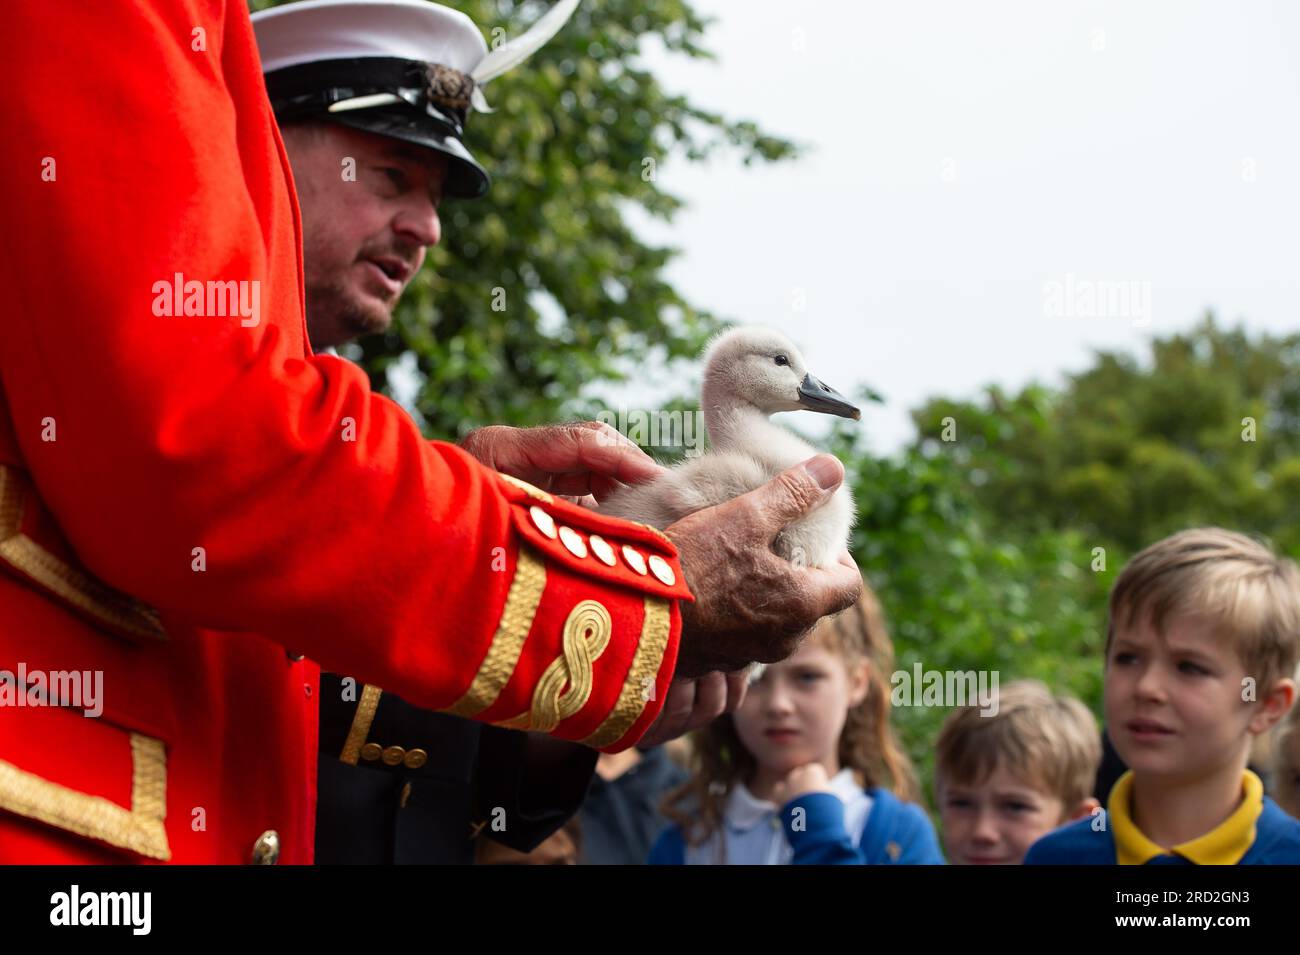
(168, 441)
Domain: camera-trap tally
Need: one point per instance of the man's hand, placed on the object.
(692, 703)
(587, 457)
(749, 603)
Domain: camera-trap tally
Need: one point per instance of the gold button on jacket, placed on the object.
(266, 850)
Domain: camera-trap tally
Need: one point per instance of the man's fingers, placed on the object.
(565, 485)
(710, 699)
(679, 703)
(570, 459)
(737, 687)
(602, 487)
(795, 491)
(589, 457)
(487, 443)
(606, 452)
(691, 704)
(834, 588)
(585, 500)
(674, 719)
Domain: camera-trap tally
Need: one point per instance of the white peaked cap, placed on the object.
(316, 30)
(406, 69)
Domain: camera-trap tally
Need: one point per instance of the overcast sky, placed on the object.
(963, 157)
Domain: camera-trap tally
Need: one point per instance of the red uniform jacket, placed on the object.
(164, 474)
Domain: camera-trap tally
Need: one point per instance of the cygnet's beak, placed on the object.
(818, 396)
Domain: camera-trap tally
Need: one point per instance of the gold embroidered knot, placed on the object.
(565, 685)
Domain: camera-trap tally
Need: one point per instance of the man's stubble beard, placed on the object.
(335, 318)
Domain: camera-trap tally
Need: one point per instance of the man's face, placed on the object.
(1173, 700)
(364, 238)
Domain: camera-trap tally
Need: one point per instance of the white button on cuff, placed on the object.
(573, 542)
(660, 568)
(634, 559)
(545, 523)
(600, 547)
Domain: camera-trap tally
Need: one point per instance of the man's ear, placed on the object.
(1273, 706)
(1084, 809)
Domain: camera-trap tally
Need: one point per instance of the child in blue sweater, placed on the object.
(1200, 655)
(795, 776)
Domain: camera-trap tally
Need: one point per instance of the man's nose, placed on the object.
(418, 221)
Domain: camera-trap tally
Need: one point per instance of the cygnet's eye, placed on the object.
(781, 360)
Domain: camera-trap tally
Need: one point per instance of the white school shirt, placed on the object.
(754, 833)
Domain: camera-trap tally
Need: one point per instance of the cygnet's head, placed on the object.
(762, 368)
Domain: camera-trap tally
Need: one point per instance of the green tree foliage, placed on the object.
(1206, 430)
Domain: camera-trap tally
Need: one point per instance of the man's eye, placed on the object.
(396, 176)
(1123, 658)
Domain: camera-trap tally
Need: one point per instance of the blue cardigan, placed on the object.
(1277, 842)
(896, 833)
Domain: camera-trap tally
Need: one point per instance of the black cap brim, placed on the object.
(316, 90)
(466, 179)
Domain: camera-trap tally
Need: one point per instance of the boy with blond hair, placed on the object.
(1202, 642)
(1005, 780)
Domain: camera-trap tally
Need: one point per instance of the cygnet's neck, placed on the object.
(734, 424)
